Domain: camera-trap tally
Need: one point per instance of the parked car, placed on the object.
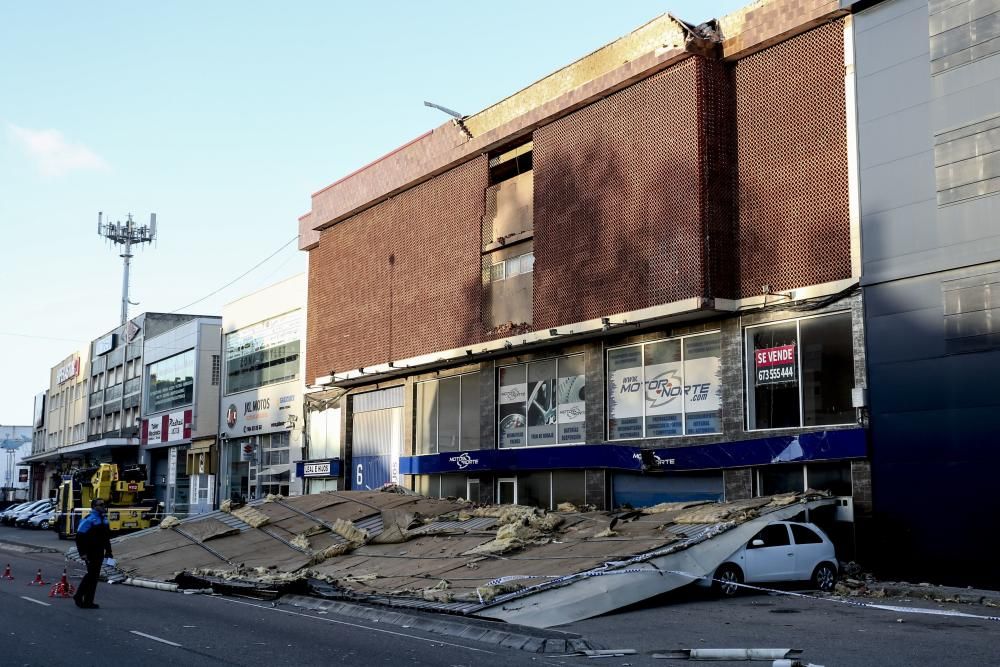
(43, 520)
(782, 551)
(30, 508)
(10, 511)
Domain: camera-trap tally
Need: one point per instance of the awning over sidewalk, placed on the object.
(93, 445)
(41, 457)
(815, 446)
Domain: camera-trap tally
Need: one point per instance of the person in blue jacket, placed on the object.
(93, 541)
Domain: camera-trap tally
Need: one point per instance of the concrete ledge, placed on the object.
(531, 640)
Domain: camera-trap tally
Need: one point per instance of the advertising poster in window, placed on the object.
(775, 365)
(171, 383)
(664, 385)
(625, 393)
(703, 391)
(571, 395)
(541, 404)
(510, 411)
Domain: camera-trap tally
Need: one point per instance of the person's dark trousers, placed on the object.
(85, 593)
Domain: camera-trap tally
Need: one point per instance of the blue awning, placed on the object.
(836, 444)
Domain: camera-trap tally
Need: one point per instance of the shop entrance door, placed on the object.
(507, 491)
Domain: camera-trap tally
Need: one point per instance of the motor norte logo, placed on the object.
(463, 461)
(664, 388)
(513, 394)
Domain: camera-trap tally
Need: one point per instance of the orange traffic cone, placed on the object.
(6, 573)
(63, 589)
(37, 581)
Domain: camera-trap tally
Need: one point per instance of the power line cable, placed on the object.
(239, 277)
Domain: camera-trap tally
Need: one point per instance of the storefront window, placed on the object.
(274, 474)
(510, 412)
(832, 476)
(171, 383)
(665, 388)
(542, 403)
(535, 489)
(447, 415)
(441, 486)
(453, 486)
(781, 479)
(800, 372)
(263, 354)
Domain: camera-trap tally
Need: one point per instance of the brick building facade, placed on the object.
(625, 284)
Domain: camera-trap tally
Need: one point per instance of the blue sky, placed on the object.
(223, 118)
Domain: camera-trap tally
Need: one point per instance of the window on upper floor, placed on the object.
(170, 382)
(507, 230)
(263, 354)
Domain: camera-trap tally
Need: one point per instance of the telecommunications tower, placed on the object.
(126, 234)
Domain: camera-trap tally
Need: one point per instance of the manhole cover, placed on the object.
(783, 611)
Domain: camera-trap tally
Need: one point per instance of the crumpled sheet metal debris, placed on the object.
(521, 547)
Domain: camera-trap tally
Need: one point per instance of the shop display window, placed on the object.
(800, 373)
(542, 403)
(665, 388)
(447, 414)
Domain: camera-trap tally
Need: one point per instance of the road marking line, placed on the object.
(44, 604)
(356, 625)
(154, 638)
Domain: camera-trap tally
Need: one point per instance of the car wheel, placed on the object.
(45, 525)
(824, 577)
(728, 579)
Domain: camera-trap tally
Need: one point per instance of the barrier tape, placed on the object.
(852, 603)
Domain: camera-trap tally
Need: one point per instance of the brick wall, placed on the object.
(399, 279)
(792, 163)
(706, 179)
(618, 201)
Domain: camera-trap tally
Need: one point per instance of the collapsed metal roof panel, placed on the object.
(509, 562)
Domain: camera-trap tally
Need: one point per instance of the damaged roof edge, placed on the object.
(643, 52)
(646, 50)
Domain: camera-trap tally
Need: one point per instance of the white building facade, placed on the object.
(263, 379)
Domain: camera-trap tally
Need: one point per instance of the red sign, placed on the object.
(775, 364)
(170, 427)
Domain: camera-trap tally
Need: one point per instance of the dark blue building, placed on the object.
(928, 115)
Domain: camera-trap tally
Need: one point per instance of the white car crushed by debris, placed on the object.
(781, 551)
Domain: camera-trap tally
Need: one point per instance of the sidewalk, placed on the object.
(40, 540)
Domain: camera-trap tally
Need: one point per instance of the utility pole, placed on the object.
(126, 234)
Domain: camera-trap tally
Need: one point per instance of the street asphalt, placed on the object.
(138, 627)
